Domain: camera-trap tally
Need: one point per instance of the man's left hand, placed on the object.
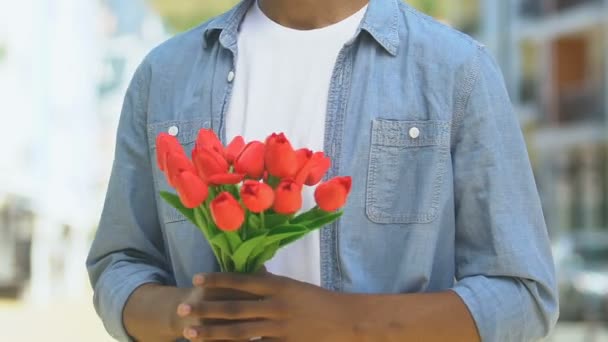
(288, 310)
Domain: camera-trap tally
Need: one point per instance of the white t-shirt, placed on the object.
(281, 84)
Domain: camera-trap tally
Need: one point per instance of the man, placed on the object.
(443, 238)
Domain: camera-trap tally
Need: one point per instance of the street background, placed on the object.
(64, 68)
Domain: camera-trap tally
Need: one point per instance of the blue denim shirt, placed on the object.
(454, 208)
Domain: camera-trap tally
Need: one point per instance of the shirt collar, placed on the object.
(381, 22)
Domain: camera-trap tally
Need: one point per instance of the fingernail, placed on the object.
(190, 333)
(184, 310)
(198, 280)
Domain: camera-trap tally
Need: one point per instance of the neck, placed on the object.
(310, 14)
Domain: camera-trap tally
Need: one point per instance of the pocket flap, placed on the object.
(186, 131)
(410, 133)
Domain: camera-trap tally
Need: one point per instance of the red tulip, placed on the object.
(318, 170)
(234, 148)
(166, 143)
(280, 158)
(176, 164)
(208, 162)
(332, 195)
(257, 196)
(288, 197)
(208, 139)
(227, 213)
(226, 178)
(191, 189)
(251, 160)
(314, 170)
(303, 155)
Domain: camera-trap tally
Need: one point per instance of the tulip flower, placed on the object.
(280, 158)
(166, 143)
(234, 148)
(208, 139)
(225, 178)
(208, 162)
(303, 155)
(191, 189)
(227, 213)
(257, 196)
(251, 160)
(288, 197)
(176, 164)
(318, 170)
(332, 195)
(314, 170)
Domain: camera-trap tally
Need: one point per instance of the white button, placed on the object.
(231, 76)
(173, 130)
(414, 132)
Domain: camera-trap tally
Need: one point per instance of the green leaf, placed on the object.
(292, 239)
(241, 255)
(200, 220)
(253, 221)
(308, 216)
(273, 220)
(259, 249)
(176, 203)
(220, 241)
(227, 264)
(234, 240)
(259, 260)
(322, 220)
(285, 232)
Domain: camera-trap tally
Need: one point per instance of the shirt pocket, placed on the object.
(407, 164)
(186, 132)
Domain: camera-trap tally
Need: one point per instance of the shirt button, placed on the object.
(173, 130)
(414, 132)
(231, 76)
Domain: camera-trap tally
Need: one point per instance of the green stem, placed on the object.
(209, 222)
(262, 223)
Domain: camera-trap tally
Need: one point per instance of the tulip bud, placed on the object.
(257, 196)
(166, 143)
(208, 162)
(208, 139)
(227, 213)
(303, 155)
(176, 163)
(314, 170)
(288, 197)
(226, 178)
(191, 189)
(280, 158)
(234, 148)
(332, 195)
(251, 160)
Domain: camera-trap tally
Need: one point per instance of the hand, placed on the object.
(287, 310)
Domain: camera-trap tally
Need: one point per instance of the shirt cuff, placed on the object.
(114, 289)
(496, 307)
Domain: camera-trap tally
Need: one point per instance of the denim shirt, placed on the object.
(443, 195)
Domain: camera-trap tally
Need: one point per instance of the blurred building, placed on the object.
(64, 68)
(554, 55)
(561, 88)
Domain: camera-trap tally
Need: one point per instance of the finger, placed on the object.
(241, 330)
(235, 310)
(257, 284)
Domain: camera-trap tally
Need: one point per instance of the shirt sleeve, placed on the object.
(504, 268)
(128, 249)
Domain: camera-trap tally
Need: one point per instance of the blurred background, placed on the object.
(64, 68)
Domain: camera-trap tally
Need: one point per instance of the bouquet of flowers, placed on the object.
(245, 197)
